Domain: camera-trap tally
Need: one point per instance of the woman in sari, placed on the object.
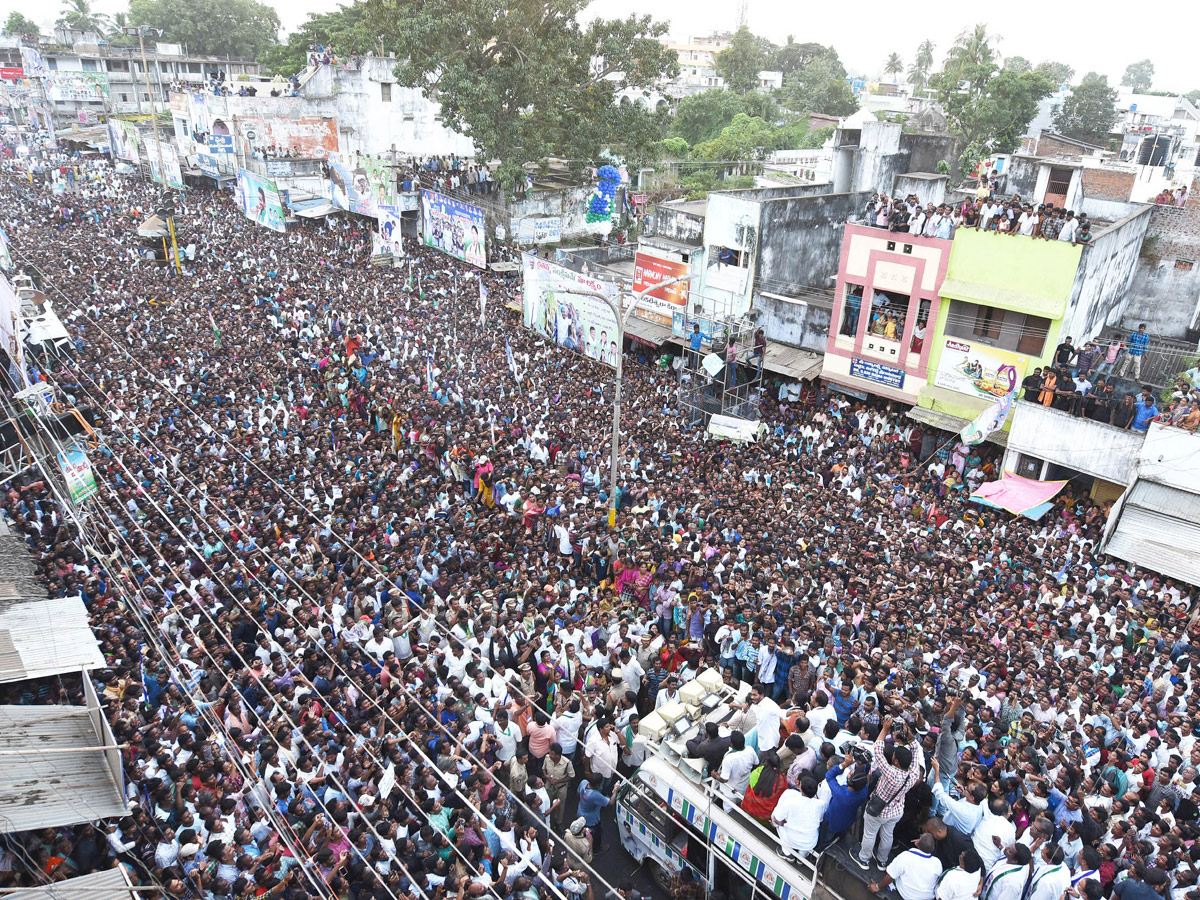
(767, 784)
(546, 679)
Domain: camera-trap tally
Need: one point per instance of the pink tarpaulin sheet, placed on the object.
(1017, 494)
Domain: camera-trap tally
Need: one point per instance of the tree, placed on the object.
(793, 57)
(1058, 73)
(78, 15)
(1139, 76)
(1194, 96)
(528, 81)
(340, 28)
(918, 72)
(17, 24)
(244, 29)
(820, 87)
(743, 138)
(987, 108)
(701, 117)
(894, 65)
(760, 105)
(1018, 64)
(1090, 112)
(740, 62)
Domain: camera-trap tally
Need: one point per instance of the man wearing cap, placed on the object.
(558, 772)
(578, 841)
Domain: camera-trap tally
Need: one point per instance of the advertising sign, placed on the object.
(260, 200)
(454, 227)
(84, 86)
(979, 370)
(390, 241)
(170, 162)
(555, 308)
(179, 104)
(308, 137)
(279, 168)
(32, 62)
(661, 306)
(220, 143)
(8, 73)
(542, 230)
(869, 370)
(123, 139)
(81, 482)
(199, 114)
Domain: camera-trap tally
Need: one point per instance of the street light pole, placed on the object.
(622, 316)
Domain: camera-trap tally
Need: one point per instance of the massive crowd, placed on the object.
(369, 634)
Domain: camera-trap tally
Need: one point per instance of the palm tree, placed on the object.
(918, 72)
(972, 48)
(117, 23)
(78, 15)
(894, 66)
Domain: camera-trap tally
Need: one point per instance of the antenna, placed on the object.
(741, 12)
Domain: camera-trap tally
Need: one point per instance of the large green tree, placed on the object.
(342, 28)
(793, 57)
(1139, 75)
(740, 62)
(1018, 64)
(1090, 112)
(820, 87)
(18, 24)
(742, 139)
(987, 108)
(529, 80)
(78, 14)
(1058, 73)
(245, 29)
(701, 117)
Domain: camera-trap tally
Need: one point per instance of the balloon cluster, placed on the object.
(601, 205)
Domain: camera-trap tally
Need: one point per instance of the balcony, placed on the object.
(1084, 445)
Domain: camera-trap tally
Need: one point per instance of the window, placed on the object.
(1185, 264)
(194, 68)
(1003, 329)
(851, 309)
(124, 98)
(889, 312)
(118, 65)
(89, 65)
(51, 63)
(385, 92)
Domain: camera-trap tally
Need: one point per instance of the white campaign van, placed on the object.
(44, 331)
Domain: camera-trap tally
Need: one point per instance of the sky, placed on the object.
(1087, 38)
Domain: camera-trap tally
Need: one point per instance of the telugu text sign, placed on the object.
(456, 228)
(558, 304)
(659, 306)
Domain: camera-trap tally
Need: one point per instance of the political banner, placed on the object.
(220, 143)
(979, 370)
(82, 86)
(374, 186)
(557, 303)
(341, 183)
(199, 114)
(32, 62)
(170, 162)
(179, 104)
(660, 306)
(123, 140)
(456, 228)
(279, 168)
(77, 470)
(208, 165)
(390, 241)
(260, 200)
(304, 137)
(989, 420)
(541, 230)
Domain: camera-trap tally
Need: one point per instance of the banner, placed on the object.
(544, 230)
(376, 185)
(279, 168)
(341, 183)
(389, 232)
(82, 86)
(77, 469)
(979, 370)
(179, 104)
(556, 303)
(199, 114)
(123, 139)
(306, 137)
(32, 62)
(661, 306)
(208, 165)
(1016, 494)
(991, 419)
(170, 162)
(260, 200)
(456, 228)
(8, 73)
(220, 143)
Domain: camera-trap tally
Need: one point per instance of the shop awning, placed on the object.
(107, 884)
(946, 422)
(310, 209)
(802, 365)
(1158, 527)
(650, 333)
(990, 295)
(505, 266)
(1016, 494)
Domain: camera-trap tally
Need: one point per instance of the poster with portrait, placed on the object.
(374, 186)
(979, 370)
(388, 234)
(559, 305)
(260, 200)
(170, 162)
(342, 192)
(123, 140)
(456, 228)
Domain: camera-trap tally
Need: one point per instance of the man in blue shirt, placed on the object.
(1136, 348)
(845, 800)
(695, 342)
(1144, 410)
(591, 802)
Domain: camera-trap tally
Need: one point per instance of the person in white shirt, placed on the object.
(1051, 878)
(993, 833)
(797, 817)
(737, 765)
(769, 715)
(915, 872)
(1007, 878)
(962, 881)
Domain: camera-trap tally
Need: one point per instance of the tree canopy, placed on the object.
(1058, 73)
(18, 24)
(1090, 112)
(1139, 75)
(701, 117)
(78, 14)
(342, 28)
(740, 62)
(528, 81)
(820, 87)
(240, 28)
(918, 72)
(986, 107)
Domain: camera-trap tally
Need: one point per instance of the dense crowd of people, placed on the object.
(368, 633)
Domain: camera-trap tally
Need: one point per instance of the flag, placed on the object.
(429, 372)
(420, 287)
(512, 364)
(483, 300)
(991, 419)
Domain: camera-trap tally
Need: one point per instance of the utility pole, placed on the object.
(162, 169)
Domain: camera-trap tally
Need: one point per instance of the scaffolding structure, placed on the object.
(731, 390)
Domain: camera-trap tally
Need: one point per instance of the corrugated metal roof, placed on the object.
(791, 361)
(109, 884)
(1158, 528)
(44, 637)
(651, 332)
(40, 789)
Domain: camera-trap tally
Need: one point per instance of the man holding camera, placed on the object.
(897, 776)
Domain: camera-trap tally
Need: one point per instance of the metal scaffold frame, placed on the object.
(730, 391)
